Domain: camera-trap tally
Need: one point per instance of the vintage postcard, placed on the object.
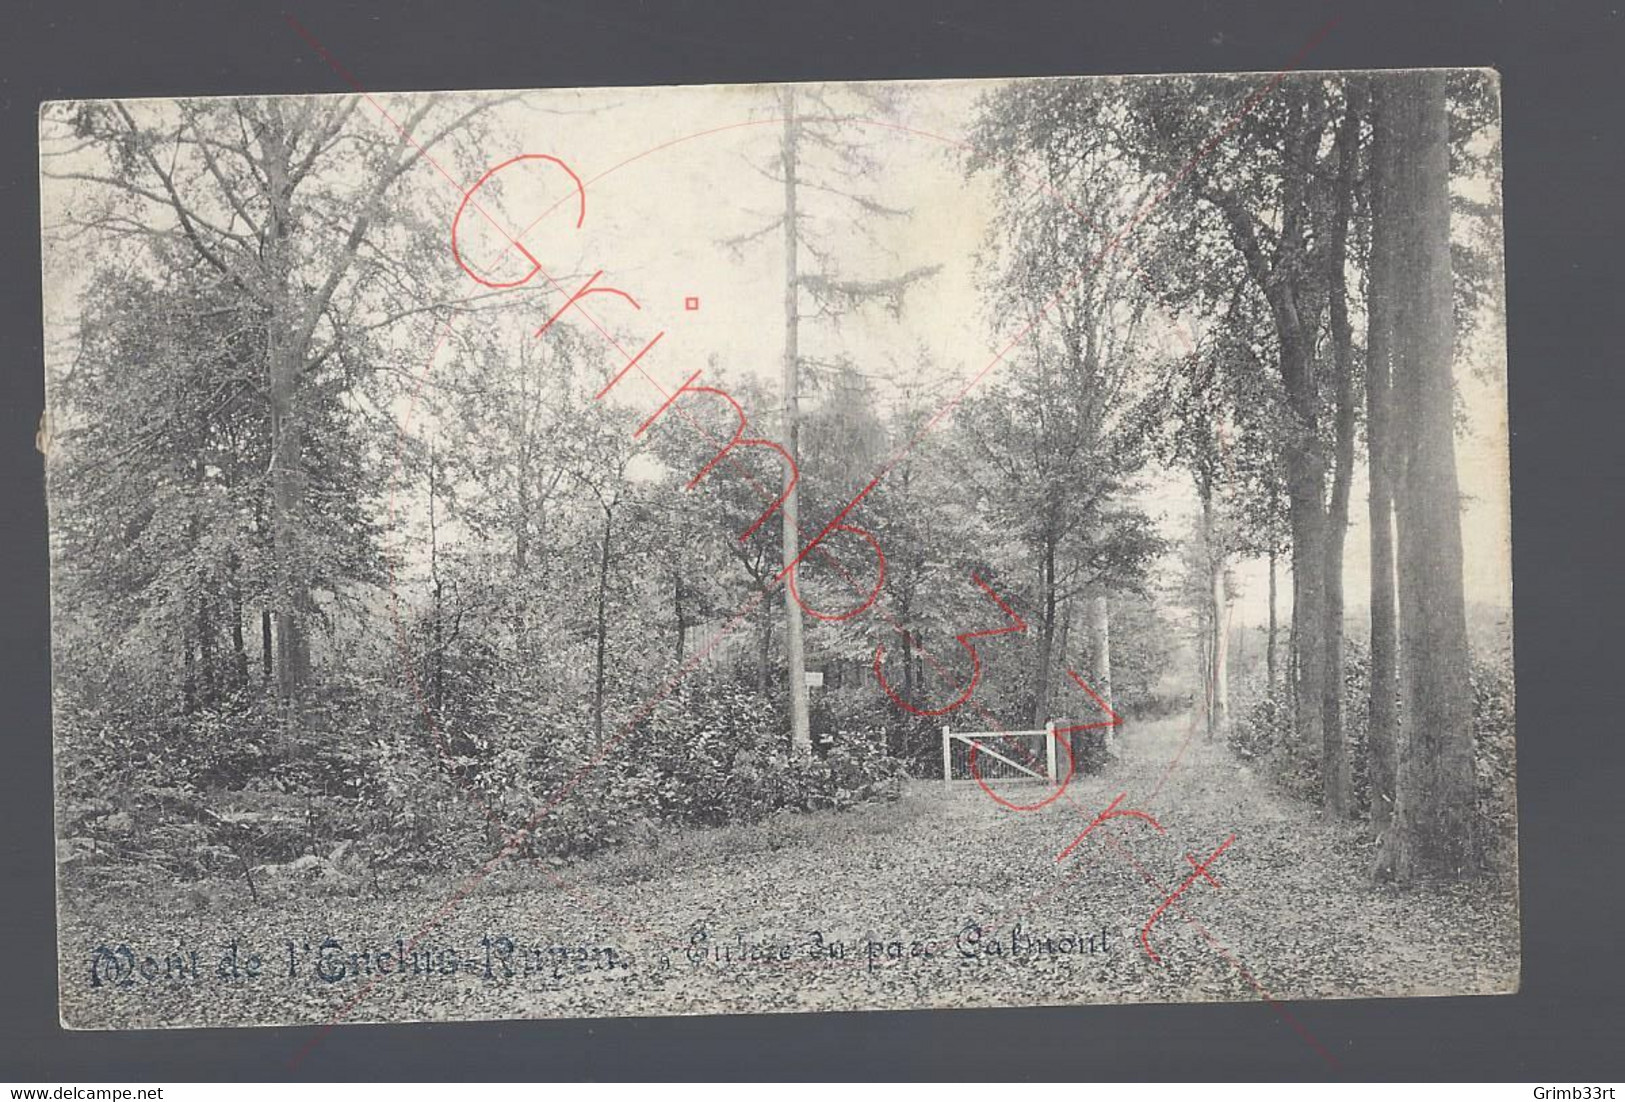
(712, 550)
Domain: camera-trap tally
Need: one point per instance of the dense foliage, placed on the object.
(1263, 738)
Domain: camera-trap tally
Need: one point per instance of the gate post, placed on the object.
(1049, 750)
(947, 759)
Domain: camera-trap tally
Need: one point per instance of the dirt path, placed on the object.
(941, 899)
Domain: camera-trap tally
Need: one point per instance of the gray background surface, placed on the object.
(1562, 96)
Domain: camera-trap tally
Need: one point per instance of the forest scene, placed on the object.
(729, 549)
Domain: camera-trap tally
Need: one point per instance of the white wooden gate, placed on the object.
(1000, 755)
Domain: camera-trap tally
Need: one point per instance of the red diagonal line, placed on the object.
(629, 365)
(1201, 866)
(1107, 816)
(1115, 720)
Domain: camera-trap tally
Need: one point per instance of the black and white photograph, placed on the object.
(753, 548)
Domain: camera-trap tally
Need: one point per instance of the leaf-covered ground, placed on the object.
(941, 899)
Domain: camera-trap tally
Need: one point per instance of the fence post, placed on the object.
(1049, 750)
(947, 759)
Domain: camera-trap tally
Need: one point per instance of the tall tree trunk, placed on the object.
(293, 653)
(1309, 615)
(1292, 658)
(519, 520)
(189, 667)
(1046, 635)
(267, 647)
(1336, 774)
(1383, 720)
(901, 722)
(199, 673)
(1063, 638)
(1100, 645)
(239, 646)
(1271, 674)
(919, 662)
(1283, 277)
(291, 597)
(1204, 673)
(900, 717)
(521, 529)
(1100, 648)
(794, 647)
(764, 648)
(1217, 671)
(1221, 653)
(438, 642)
(208, 675)
(678, 613)
(1433, 836)
(601, 629)
(1293, 314)
(1305, 480)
